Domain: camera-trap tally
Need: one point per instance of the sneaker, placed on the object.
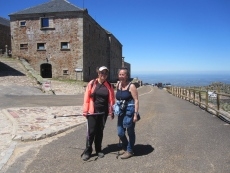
(100, 154)
(121, 152)
(126, 155)
(85, 157)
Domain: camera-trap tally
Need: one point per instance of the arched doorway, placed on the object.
(46, 70)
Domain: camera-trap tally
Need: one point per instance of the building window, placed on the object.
(41, 46)
(46, 23)
(23, 46)
(22, 23)
(65, 45)
(65, 72)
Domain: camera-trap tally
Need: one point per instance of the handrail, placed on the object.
(201, 98)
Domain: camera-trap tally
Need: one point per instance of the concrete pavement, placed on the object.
(34, 123)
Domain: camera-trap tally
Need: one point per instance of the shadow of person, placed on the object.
(140, 149)
(111, 148)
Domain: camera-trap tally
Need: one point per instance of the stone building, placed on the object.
(61, 40)
(126, 64)
(4, 35)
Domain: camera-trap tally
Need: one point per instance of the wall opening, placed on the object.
(46, 70)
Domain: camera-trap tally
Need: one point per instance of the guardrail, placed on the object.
(219, 105)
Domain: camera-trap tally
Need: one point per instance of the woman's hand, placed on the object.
(85, 115)
(111, 116)
(135, 118)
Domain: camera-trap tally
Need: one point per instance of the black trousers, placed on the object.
(96, 124)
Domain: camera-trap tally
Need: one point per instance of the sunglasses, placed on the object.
(103, 73)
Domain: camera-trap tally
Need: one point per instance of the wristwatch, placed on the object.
(136, 113)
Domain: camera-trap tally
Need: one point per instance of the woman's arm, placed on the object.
(87, 98)
(134, 93)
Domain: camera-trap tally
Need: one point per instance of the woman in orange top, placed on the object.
(98, 101)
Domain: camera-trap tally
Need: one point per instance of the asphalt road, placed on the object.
(173, 136)
(21, 96)
(40, 100)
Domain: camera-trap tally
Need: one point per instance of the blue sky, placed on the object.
(160, 36)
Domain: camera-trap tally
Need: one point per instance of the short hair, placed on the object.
(126, 69)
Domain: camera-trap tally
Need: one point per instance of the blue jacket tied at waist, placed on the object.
(125, 109)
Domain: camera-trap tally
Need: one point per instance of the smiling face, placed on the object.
(102, 75)
(122, 75)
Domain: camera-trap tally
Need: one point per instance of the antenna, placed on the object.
(83, 3)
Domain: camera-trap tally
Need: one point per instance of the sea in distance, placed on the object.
(184, 80)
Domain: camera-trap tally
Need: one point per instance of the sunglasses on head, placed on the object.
(104, 73)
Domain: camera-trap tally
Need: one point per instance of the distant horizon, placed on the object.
(179, 72)
(184, 79)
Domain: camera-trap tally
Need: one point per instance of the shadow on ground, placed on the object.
(6, 70)
(139, 149)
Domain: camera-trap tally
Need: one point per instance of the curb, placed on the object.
(36, 137)
(8, 154)
(13, 121)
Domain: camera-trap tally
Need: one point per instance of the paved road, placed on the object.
(40, 100)
(172, 136)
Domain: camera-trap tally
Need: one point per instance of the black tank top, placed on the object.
(101, 98)
(123, 94)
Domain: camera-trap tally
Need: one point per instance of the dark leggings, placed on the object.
(96, 124)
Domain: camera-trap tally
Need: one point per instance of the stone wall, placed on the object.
(64, 30)
(116, 57)
(101, 48)
(95, 47)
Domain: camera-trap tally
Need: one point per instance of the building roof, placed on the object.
(49, 7)
(4, 21)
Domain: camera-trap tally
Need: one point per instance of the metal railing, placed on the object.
(218, 105)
